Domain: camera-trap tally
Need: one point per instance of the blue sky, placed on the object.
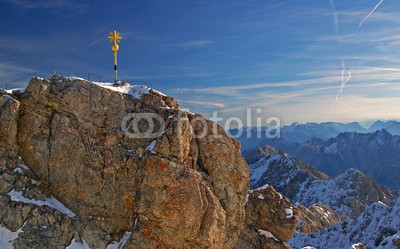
(295, 60)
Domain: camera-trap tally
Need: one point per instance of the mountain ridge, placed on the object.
(348, 193)
(376, 154)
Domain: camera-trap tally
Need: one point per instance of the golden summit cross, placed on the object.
(115, 38)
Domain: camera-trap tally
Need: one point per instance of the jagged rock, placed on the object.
(252, 238)
(184, 187)
(45, 228)
(317, 217)
(9, 108)
(271, 219)
(174, 144)
(36, 226)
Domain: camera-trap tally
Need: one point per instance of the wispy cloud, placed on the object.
(7, 67)
(371, 90)
(235, 90)
(18, 75)
(335, 17)
(205, 103)
(46, 4)
(197, 43)
(22, 44)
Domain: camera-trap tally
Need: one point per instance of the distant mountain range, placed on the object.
(348, 194)
(300, 133)
(375, 154)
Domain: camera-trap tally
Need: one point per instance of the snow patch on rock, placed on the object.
(50, 202)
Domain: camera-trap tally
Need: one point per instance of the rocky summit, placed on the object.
(84, 163)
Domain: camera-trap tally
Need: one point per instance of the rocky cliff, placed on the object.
(102, 166)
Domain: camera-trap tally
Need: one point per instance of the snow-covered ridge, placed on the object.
(134, 90)
(260, 167)
(348, 193)
(377, 227)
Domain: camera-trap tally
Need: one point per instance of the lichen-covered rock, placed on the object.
(182, 187)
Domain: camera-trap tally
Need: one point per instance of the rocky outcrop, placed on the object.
(270, 218)
(317, 217)
(182, 184)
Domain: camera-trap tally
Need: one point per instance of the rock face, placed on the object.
(270, 218)
(31, 226)
(182, 184)
(9, 108)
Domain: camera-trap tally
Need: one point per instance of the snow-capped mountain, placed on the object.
(348, 193)
(377, 227)
(250, 136)
(376, 154)
(393, 127)
(303, 132)
(300, 133)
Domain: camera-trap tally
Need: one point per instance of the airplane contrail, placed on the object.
(335, 17)
(370, 13)
(343, 81)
